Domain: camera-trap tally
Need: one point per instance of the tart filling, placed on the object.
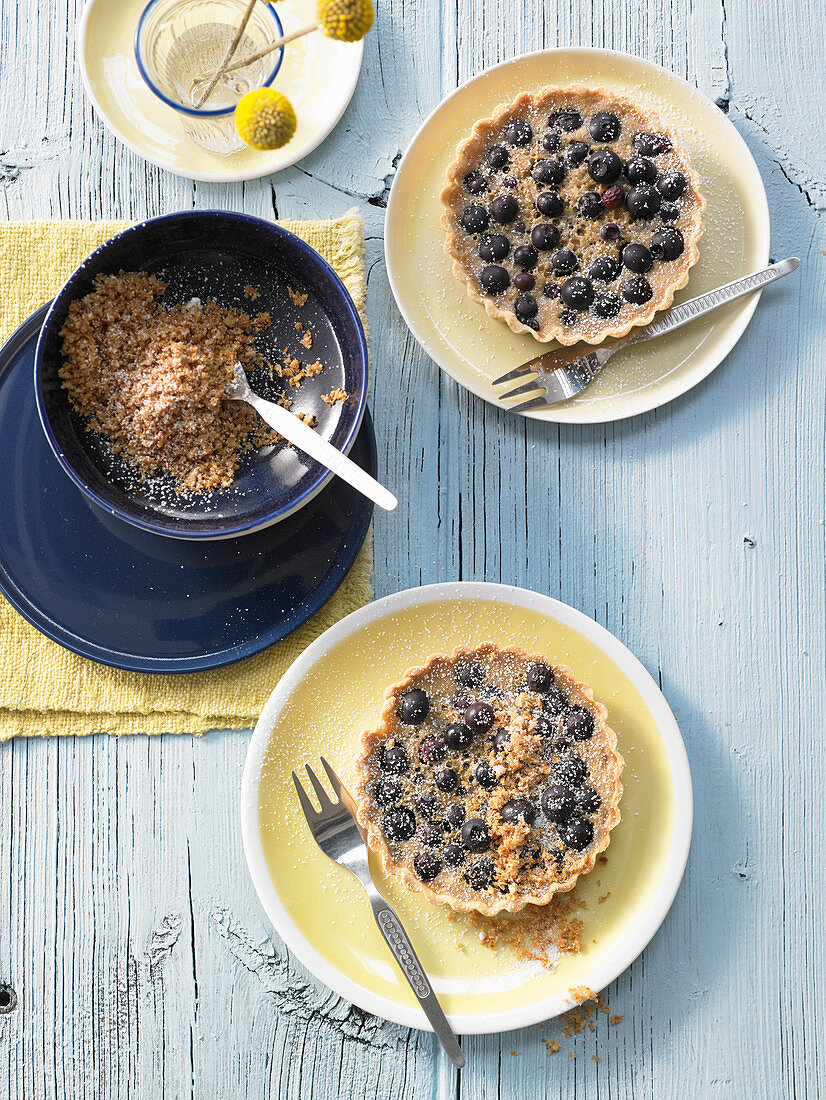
(572, 214)
(492, 781)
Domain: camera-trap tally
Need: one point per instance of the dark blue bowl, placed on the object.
(216, 254)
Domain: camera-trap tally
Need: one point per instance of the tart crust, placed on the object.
(469, 155)
(605, 766)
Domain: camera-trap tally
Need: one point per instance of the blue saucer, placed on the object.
(143, 602)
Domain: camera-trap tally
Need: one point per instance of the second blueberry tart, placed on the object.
(492, 780)
(572, 214)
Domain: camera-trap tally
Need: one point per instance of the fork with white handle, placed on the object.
(338, 834)
(565, 373)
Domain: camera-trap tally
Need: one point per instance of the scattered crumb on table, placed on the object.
(298, 297)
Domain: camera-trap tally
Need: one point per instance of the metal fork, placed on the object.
(565, 373)
(339, 836)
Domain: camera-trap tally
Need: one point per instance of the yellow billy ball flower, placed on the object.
(265, 119)
(345, 20)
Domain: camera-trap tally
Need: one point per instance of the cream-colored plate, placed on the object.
(474, 348)
(335, 690)
(317, 75)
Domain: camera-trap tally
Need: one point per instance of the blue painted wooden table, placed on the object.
(142, 961)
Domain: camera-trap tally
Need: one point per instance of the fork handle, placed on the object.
(396, 939)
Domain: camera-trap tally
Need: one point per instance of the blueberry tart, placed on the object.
(572, 214)
(492, 781)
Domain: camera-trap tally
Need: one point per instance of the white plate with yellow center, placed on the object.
(474, 348)
(317, 75)
(335, 690)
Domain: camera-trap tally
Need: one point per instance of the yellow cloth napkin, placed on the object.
(46, 690)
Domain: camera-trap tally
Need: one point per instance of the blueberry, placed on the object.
(510, 182)
(569, 317)
(427, 805)
(604, 126)
(497, 156)
(564, 262)
(549, 171)
(485, 776)
(576, 833)
(669, 212)
(610, 231)
(567, 119)
(545, 726)
(525, 307)
(387, 791)
(446, 779)
(640, 170)
(494, 279)
(455, 814)
(475, 835)
(454, 855)
(651, 145)
(494, 247)
(544, 236)
(587, 800)
(562, 739)
(476, 183)
(577, 292)
(504, 208)
(613, 197)
(606, 304)
(556, 701)
(604, 166)
(414, 707)
(671, 185)
(589, 205)
(471, 676)
(540, 677)
(570, 769)
(604, 269)
(474, 218)
(518, 132)
(557, 802)
(520, 227)
(426, 865)
(395, 760)
(577, 152)
(501, 740)
(525, 256)
(550, 290)
(667, 243)
(399, 823)
(549, 204)
(636, 257)
(579, 722)
(524, 281)
(637, 290)
(551, 142)
(479, 717)
(461, 701)
(480, 874)
(518, 809)
(432, 749)
(432, 835)
(643, 201)
(458, 736)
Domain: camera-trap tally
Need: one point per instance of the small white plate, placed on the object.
(334, 691)
(474, 348)
(317, 75)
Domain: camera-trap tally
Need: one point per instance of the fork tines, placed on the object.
(324, 799)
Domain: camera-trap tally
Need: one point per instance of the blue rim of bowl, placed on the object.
(196, 112)
(291, 506)
(42, 622)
